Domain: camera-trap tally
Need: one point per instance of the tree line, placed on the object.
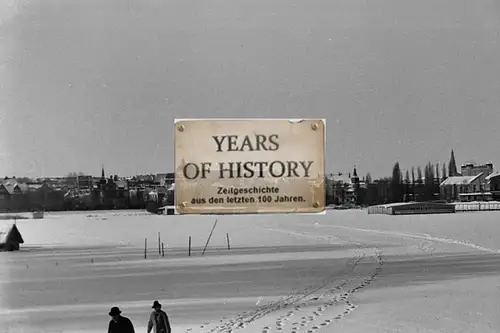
(414, 185)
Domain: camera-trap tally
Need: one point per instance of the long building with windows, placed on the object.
(473, 184)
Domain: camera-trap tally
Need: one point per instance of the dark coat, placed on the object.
(159, 322)
(124, 325)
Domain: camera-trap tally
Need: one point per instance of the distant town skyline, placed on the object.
(100, 82)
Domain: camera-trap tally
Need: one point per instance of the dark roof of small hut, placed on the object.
(10, 233)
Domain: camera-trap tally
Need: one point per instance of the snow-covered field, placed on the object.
(345, 271)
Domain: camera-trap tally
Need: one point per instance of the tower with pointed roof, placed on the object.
(452, 166)
(102, 181)
(355, 184)
(102, 186)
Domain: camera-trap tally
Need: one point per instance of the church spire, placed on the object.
(102, 171)
(452, 166)
(355, 182)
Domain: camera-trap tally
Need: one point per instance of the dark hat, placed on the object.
(115, 311)
(156, 304)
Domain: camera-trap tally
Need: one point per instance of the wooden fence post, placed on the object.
(159, 244)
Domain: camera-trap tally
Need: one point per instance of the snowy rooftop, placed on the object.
(396, 204)
(5, 233)
(460, 180)
(493, 175)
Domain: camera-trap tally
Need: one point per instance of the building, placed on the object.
(10, 238)
(472, 184)
(482, 171)
(493, 185)
(411, 208)
(121, 194)
(111, 192)
(471, 169)
(78, 199)
(355, 185)
(164, 179)
(464, 188)
(342, 188)
(85, 182)
(45, 196)
(12, 194)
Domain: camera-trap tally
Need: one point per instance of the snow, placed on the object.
(344, 271)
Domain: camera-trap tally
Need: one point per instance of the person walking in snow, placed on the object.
(158, 320)
(118, 323)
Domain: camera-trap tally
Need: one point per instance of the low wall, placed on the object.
(476, 206)
(412, 208)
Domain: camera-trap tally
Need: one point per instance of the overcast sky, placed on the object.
(100, 81)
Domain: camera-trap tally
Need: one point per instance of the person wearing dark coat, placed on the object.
(118, 323)
(158, 320)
